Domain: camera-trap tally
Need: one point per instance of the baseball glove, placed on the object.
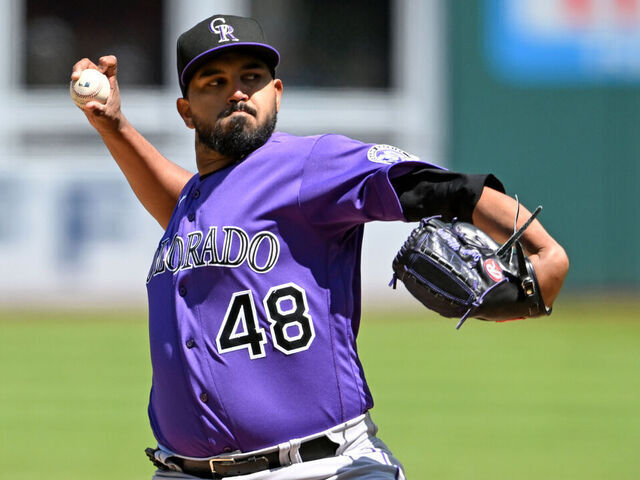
(458, 271)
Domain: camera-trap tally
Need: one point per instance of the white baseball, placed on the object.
(92, 85)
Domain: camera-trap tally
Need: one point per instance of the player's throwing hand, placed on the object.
(103, 117)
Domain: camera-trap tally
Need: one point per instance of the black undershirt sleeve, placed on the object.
(430, 191)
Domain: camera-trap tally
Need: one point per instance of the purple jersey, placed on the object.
(254, 295)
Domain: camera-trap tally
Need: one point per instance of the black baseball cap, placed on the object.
(219, 34)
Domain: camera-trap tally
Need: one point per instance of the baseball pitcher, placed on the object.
(254, 288)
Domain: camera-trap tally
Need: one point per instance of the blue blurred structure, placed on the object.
(572, 42)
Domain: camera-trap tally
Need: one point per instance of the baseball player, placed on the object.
(254, 289)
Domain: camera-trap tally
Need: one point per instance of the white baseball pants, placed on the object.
(360, 455)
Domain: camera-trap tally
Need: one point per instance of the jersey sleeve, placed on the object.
(429, 191)
(346, 182)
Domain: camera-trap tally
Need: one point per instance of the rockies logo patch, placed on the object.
(388, 154)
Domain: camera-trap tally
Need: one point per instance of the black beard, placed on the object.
(238, 141)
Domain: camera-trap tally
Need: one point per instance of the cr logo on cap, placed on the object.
(219, 26)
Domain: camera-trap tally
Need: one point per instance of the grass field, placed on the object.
(554, 398)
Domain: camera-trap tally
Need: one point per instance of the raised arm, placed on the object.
(156, 181)
(495, 212)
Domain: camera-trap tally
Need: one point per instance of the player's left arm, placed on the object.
(479, 199)
(494, 213)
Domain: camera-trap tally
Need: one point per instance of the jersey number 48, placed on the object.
(287, 312)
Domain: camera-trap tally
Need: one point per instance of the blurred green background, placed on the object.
(553, 397)
(565, 139)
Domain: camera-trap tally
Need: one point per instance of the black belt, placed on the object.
(220, 467)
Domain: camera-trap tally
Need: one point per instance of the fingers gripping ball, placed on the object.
(92, 85)
(457, 270)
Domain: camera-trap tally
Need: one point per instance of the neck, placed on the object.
(209, 161)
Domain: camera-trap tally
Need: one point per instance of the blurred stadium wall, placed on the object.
(435, 77)
(546, 93)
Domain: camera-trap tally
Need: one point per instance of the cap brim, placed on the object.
(269, 54)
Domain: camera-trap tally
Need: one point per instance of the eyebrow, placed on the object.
(209, 71)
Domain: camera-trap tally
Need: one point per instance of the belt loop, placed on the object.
(283, 453)
(294, 451)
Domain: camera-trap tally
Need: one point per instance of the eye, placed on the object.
(216, 82)
(252, 77)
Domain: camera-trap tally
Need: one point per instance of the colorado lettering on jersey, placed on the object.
(200, 250)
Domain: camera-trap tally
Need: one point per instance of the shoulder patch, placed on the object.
(388, 154)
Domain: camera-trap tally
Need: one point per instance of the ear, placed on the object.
(277, 84)
(184, 109)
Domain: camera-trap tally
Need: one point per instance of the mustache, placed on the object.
(238, 107)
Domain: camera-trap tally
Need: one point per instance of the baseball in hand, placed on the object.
(92, 85)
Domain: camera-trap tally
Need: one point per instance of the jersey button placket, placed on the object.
(182, 290)
(191, 216)
(204, 398)
(190, 343)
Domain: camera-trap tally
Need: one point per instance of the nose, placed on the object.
(237, 95)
